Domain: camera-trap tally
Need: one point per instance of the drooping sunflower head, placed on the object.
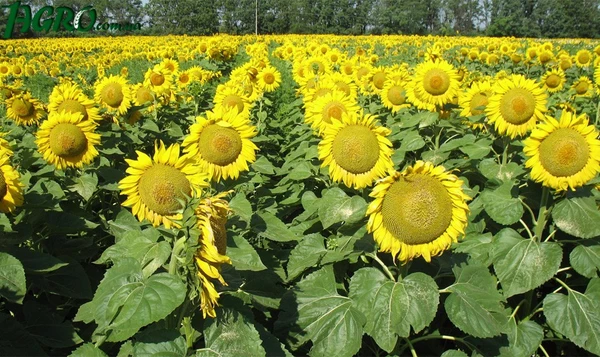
(221, 144)
(321, 113)
(155, 187)
(67, 140)
(434, 84)
(554, 80)
(212, 216)
(113, 93)
(24, 109)
(418, 212)
(68, 97)
(516, 106)
(356, 150)
(563, 153)
(11, 188)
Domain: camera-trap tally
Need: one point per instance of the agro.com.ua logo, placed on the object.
(56, 19)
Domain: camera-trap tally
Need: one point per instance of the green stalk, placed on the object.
(542, 219)
(382, 264)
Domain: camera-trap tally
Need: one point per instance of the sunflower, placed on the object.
(159, 79)
(434, 84)
(230, 96)
(212, 216)
(563, 153)
(356, 150)
(554, 80)
(268, 79)
(475, 99)
(113, 93)
(393, 95)
(583, 58)
(67, 140)
(377, 78)
(418, 212)
(583, 87)
(24, 109)
(155, 187)
(321, 113)
(68, 96)
(11, 188)
(184, 79)
(221, 144)
(142, 95)
(516, 105)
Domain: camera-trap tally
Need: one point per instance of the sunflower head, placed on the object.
(24, 109)
(113, 93)
(11, 188)
(356, 150)
(67, 140)
(212, 215)
(156, 187)
(221, 144)
(563, 153)
(68, 97)
(418, 212)
(434, 84)
(516, 106)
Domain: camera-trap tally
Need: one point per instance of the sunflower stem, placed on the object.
(413, 352)
(543, 350)
(382, 264)
(506, 142)
(540, 223)
(441, 337)
(177, 248)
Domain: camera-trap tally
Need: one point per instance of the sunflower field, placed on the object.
(299, 195)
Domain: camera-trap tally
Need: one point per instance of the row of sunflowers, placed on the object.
(333, 148)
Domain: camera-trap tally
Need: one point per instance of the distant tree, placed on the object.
(182, 16)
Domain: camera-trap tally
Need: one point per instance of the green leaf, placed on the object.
(313, 310)
(243, 255)
(85, 185)
(272, 227)
(15, 340)
(35, 262)
(241, 207)
(231, 334)
(126, 301)
(523, 264)
(577, 216)
(474, 305)
(160, 343)
(412, 141)
(478, 246)
(88, 350)
(454, 353)
(501, 206)
(263, 166)
(12, 278)
(391, 308)
(477, 150)
(70, 280)
(494, 171)
(336, 207)
(48, 327)
(523, 339)
(125, 222)
(151, 255)
(586, 260)
(308, 253)
(300, 172)
(576, 315)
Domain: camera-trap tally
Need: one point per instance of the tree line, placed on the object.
(519, 18)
